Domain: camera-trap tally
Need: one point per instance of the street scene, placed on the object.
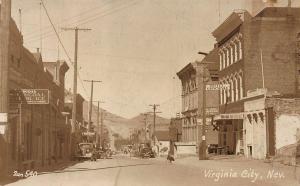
(149, 92)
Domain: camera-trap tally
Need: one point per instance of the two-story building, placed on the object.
(257, 59)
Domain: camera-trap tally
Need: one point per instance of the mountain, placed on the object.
(122, 126)
(139, 122)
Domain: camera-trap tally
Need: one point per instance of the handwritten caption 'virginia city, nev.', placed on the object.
(250, 173)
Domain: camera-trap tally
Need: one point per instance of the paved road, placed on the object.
(124, 171)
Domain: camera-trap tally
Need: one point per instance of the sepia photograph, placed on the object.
(150, 92)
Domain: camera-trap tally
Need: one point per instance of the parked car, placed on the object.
(212, 148)
(84, 151)
(147, 153)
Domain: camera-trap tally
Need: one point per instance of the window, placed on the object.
(240, 50)
(221, 95)
(241, 86)
(221, 60)
(232, 54)
(236, 89)
(231, 91)
(235, 52)
(227, 58)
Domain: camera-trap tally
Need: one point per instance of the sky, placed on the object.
(135, 47)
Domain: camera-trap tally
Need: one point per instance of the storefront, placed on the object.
(231, 133)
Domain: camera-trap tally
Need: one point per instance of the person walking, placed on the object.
(171, 153)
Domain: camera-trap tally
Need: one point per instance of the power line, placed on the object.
(94, 17)
(69, 18)
(59, 39)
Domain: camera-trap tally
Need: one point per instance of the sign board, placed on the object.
(88, 133)
(208, 121)
(217, 87)
(230, 116)
(212, 110)
(29, 96)
(3, 117)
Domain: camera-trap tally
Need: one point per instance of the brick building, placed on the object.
(257, 56)
(37, 133)
(192, 77)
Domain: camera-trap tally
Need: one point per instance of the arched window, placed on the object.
(236, 88)
(235, 52)
(221, 94)
(231, 91)
(241, 86)
(232, 53)
(221, 60)
(240, 50)
(227, 58)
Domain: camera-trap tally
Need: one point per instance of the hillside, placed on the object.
(122, 126)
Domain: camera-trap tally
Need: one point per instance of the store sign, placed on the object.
(217, 87)
(29, 96)
(212, 110)
(230, 116)
(88, 133)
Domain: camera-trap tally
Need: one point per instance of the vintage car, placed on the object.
(147, 152)
(85, 151)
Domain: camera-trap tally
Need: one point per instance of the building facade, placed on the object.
(192, 77)
(37, 133)
(252, 62)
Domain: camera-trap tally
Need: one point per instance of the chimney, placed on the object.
(38, 50)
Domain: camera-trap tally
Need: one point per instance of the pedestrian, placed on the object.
(170, 157)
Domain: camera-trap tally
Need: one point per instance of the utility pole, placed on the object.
(154, 118)
(202, 77)
(91, 102)
(101, 130)
(74, 112)
(145, 120)
(5, 14)
(98, 121)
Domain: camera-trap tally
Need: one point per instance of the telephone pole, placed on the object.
(76, 29)
(101, 130)
(203, 79)
(154, 106)
(91, 102)
(145, 120)
(98, 121)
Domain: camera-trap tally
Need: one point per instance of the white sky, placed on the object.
(135, 46)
